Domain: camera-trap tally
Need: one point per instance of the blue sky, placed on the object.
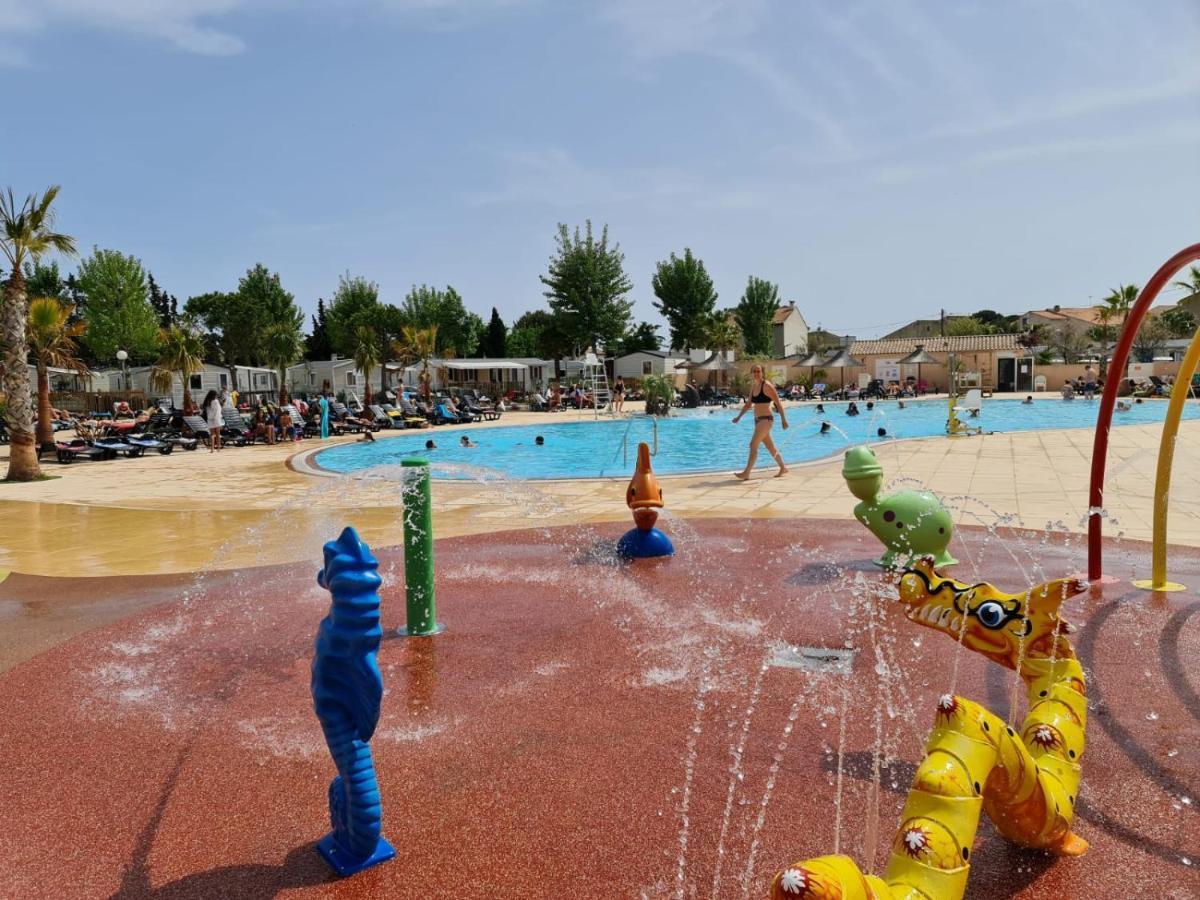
(879, 160)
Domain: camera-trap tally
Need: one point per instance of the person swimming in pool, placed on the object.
(539, 440)
(430, 445)
(465, 441)
(820, 409)
(852, 409)
(826, 428)
(763, 397)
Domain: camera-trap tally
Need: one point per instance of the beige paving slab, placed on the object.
(247, 506)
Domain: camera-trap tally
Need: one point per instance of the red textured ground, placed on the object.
(542, 746)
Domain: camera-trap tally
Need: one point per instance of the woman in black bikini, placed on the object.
(762, 397)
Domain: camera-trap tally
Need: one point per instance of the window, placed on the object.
(351, 379)
(312, 377)
(262, 380)
(647, 367)
(224, 381)
(195, 383)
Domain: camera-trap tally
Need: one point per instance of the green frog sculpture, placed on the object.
(909, 523)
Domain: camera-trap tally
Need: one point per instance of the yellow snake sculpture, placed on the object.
(974, 762)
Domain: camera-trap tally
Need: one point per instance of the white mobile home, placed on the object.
(337, 375)
(209, 378)
(487, 374)
(647, 362)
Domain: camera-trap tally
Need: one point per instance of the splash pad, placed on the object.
(625, 730)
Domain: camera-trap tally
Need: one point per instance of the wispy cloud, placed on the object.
(206, 26)
(728, 31)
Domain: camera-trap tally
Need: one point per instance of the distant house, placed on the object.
(1071, 319)
(789, 331)
(647, 362)
(486, 374)
(995, 361)
(252, 379)
(336, 374)
(921, 328)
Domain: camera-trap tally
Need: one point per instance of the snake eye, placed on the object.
(991, 614)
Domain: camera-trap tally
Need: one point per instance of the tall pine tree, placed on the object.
(318, 345)
(493, 341)
(586, 285)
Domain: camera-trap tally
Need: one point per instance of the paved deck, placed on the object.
(245, 506)
(578, 729)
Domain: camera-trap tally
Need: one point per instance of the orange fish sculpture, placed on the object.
(645, 498)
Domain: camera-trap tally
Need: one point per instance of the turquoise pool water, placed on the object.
(703, 439)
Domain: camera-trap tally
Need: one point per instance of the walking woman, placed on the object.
(618, 397)
(212, 413)
(763, 397)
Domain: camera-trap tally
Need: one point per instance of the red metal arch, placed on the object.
(1108, 400)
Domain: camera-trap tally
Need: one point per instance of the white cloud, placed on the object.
(195, 26)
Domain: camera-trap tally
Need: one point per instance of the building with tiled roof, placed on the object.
(789, 331)
(1072, 319)
(966, 343)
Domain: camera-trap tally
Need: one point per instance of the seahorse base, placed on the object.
(345, 864)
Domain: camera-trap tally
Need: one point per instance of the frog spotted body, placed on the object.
(908, 523)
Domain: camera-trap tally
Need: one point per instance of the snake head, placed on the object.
(1003, 627)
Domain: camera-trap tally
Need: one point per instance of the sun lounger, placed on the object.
(198, 427)
(119, 445)
(69, 451)
(380, 418)
(412, 417)
(348, 421)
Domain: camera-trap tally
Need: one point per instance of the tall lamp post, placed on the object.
(121, 357)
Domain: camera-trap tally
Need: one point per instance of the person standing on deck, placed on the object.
(324, 403)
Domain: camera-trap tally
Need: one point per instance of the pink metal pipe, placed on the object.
(1108, 399)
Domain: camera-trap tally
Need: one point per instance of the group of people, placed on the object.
(551, 399)
(272, 423)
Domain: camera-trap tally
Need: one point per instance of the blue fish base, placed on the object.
(345, 864)
(638, 544)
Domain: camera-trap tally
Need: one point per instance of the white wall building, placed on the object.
(789, 332)
(648, 362)
(252, 380)
(337, 375)
(524, 374)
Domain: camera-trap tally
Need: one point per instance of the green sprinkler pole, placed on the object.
(418, 551)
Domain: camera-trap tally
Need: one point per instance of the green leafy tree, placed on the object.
(493, 343)
(686, 298)
(318, 344)
(238, 323)
(181, 352)
(643, 337)
(458, 331)
(540, 334)
(1068, 344)
(997, 323)
(355, 303)
(52, 339)
(1118, 303)
(45, 280)
(26, 235)
(961, 326)
(586, 285)
(1151, 339)
(117, 307)
(1180, 322)
(755, 314)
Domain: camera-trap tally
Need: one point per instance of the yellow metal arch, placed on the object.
(1162, 479)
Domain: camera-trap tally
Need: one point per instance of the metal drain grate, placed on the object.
(833, 660)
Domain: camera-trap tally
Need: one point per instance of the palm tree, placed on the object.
(28, 234)
(1192, 283)
(183, 352)
(1115, 309)
(282, 346)
(419, 345)
(51, 336)
(367, 353)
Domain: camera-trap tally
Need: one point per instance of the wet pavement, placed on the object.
(581, 728)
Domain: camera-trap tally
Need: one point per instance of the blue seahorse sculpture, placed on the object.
(347, 689)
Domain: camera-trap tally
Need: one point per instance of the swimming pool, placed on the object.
(701, 440)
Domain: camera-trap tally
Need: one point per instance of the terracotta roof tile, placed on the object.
(972, 343)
